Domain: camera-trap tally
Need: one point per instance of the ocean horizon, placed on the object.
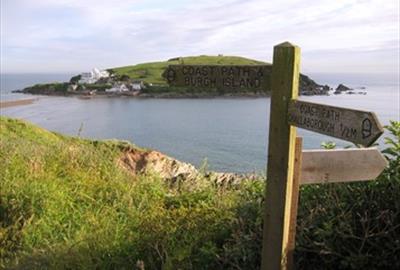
(230, 134)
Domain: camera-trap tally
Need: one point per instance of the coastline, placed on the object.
(164, 95)
(15, 103)
(120, 86)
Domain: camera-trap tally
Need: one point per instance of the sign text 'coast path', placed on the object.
(225, 77)
(359, 127)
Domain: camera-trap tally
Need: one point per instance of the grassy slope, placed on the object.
(64, 202)
(151, 72)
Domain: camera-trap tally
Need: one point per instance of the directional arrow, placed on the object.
(341, 165)
(359, 127)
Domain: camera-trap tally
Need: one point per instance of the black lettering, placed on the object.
(187, 80)
(212, 70)
(198, 71)
(245, 71)
(204, 71)
(353, 133)
(260, 72)
(224, 70)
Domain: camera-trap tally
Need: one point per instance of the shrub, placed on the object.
(352, 225)
(66, 204)
(75, 79)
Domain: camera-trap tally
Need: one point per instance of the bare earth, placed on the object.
(13, 103)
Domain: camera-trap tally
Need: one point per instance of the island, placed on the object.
(146, 80)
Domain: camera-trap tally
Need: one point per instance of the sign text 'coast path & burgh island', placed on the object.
(225, 77)
(285, 170)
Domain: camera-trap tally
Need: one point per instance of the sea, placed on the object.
(222, 134)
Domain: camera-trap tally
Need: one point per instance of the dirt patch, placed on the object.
(137, 161)
(13, 103)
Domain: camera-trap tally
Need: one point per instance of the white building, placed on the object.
(137, 85)
(118, 88)
(93, 76)
(72, 87)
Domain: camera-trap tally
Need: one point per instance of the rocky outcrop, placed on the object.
(342, 88)
(137, 161)
(309, 87)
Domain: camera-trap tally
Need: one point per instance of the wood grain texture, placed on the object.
(359, 127)
(281, 147)
(224, 77)
(295, 200)
(341, 165)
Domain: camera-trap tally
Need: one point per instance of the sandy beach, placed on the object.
(13, 103)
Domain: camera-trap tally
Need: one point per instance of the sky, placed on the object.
(56, 36)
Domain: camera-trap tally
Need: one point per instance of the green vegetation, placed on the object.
(156, 86)
(151, 72)
(48, 88)
(75, 79)
(355, 225)
(98, 86)
(65, 203)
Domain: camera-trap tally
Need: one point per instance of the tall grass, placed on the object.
(66, 204)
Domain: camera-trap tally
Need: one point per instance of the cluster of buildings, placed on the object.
(96, 76)
(93, 76)
(135, 86)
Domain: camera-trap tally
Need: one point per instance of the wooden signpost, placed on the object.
(359, 127)
(289, 166)
(255, 77)
(341, 165)
(281, 152)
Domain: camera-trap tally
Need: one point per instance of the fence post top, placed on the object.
(285, 45)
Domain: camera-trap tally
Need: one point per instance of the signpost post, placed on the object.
(281, 151)
(288, 165)
(298, 160)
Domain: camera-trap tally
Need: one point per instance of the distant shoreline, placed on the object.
(162, 95)
(14, 103)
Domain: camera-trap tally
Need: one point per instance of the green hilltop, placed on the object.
(151, 72)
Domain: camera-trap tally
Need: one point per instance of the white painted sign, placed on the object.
(341, 165)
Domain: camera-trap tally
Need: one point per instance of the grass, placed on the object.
(65, 203)
(151, 72)
(50, 88)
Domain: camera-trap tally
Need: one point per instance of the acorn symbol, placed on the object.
(366, 129)
(170, 75)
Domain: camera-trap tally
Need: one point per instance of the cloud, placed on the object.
(73, 35)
